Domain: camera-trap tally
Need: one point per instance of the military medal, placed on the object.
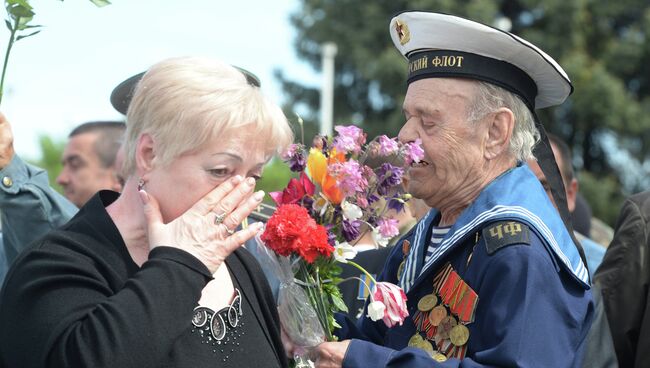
(445, 327)
(415, 340)
(439, 357)
(426, 346)
(406, 248)
(427, 302)
(459, 335)
(437, 314)
(400, 270)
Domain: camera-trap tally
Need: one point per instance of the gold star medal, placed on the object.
(402, 32)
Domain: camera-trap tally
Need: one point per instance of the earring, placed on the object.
(140, 184)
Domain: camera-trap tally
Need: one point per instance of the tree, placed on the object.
(603, 46)
(51, 153)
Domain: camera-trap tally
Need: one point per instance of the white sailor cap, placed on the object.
(442, 45)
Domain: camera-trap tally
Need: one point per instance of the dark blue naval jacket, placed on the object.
(534, 305)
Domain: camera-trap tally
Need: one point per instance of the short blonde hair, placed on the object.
(184, 103)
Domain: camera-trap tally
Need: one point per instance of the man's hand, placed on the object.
(330, 354)
(6, 142)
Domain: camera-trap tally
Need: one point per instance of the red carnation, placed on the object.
(292, 230)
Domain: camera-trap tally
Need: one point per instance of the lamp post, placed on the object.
(329, 51)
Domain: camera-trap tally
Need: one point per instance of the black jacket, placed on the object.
(624, 277)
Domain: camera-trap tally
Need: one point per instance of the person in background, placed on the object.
(89, 160)
(593, 251)
(492, 275)
(29, 207)
(155, 276)
(624, 277)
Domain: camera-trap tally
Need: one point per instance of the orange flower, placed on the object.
(317, 165)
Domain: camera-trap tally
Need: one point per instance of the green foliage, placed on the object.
(603, 195)
(50, 160)
(602, 45)
(275, 178)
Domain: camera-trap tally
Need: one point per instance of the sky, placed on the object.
(64, 75)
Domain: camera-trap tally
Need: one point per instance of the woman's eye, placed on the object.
(219, 172)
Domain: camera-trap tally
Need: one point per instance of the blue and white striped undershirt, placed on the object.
(437, 234)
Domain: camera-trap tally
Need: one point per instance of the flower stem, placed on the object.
(362, 270)
(12, 38)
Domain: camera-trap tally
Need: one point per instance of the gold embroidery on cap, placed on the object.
(447, 60)
(418, 64)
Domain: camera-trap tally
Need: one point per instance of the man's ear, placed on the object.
(501, 123)
(571, 194)
(144, 154)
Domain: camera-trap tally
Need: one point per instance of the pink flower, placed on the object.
(394, 299)
(350, 139)
(349, 177)
(413, 151)
(388, 227)
(387, 146)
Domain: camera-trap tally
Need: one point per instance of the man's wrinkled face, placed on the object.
(83, 174)
(436, 112)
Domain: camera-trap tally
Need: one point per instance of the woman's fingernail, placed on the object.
(257, 226)
(259, 195)
(236, 179)
(144, 197)
(250, 181)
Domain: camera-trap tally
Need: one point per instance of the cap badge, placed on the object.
(402, 32)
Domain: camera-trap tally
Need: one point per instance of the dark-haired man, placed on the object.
(89, 160)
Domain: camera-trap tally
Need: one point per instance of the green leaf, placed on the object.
(20, 11)
(27, 35)
(339, 303)
(9, 26)
(21, 3)
(23, 23)
(99, 3)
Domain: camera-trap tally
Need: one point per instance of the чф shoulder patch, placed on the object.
(501, 234)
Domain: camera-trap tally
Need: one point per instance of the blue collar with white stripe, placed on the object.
(515, 195)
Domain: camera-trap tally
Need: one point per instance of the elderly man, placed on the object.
(504, 284)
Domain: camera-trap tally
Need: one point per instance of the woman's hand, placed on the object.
(206, 230)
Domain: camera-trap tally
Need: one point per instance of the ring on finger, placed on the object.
(229, 231)
(219, 218)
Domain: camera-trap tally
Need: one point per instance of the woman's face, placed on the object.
(191, 176)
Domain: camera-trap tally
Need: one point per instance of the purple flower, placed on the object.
(388, 177)
(295, 157)
(387, 146)
(388, 227)
(351, 229)
(331, 237)
(349, 176)
(413, 151)
(350, 139)
(396, 204)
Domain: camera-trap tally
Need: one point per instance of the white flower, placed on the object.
(351, 211)
(378, 238)
(344, 251)
(320, 205)
(376, 310)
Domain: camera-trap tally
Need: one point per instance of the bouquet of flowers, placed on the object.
(319, 216)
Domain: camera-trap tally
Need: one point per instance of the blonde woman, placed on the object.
(155, 277)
